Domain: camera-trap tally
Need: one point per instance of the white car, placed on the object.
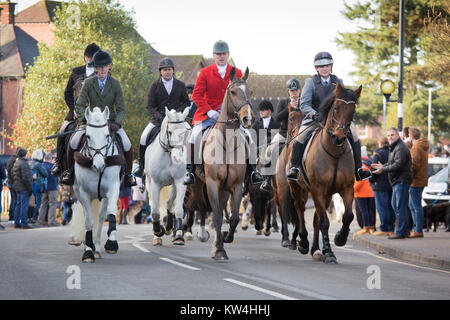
(437, 190)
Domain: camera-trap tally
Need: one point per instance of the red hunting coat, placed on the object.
(210, 89)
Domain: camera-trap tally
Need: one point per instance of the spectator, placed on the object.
(124, 198)
(66, 199)
(50, 195)
(419, 158)
(383, 191)
(23, 186)
(40, 178)
(406, 138)
(2, 179)
(400, 176)
(12, 203)
(365, 198)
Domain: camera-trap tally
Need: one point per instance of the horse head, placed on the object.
(239, 95)
(174, 130)
(98, 138)
(341, 114)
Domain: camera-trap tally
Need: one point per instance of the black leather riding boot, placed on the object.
(267, 184)
(57, 167)
(68, 176)
(296, 157)
(360, 174)
(189, 177)
(128, 178)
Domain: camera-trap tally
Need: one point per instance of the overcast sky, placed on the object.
(268, 36)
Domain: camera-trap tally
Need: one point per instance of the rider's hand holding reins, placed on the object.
(114, 126)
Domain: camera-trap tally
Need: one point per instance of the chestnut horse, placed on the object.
(330, 169)
(283, 196)
(224, 158)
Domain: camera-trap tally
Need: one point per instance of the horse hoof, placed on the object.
(160, 233)
(339, 239)
(244, 227)
(303, 248)
(203, 238)
(317, 256)
(188, 235)
(330, 259)
(97, 255)
(227, 237)
(88, 256)
(111, 246)
(292, 246)
(220, 256)
(178, 241)
(168, 231)
(285, 243)
(267, 233)
(258, 232)
(157, 241)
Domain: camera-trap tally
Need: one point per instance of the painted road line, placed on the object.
(269, 292)
(179, 264)
(137, 245)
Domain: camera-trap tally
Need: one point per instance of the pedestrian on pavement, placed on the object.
(50, 195)
(400, 177)
(124, 198)
(406, 138)
(66, 199)
(9, 184)
(40, 181)
(419, 158)
(365, 197)
(383, 191)
(2, 179)
(23, 186)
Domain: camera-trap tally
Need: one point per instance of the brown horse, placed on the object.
(330, 169)
(224, 158)
(283, 195)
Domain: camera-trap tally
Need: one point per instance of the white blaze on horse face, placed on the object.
(243, 87)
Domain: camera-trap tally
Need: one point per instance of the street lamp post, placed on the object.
(387, 88)
(400, 69)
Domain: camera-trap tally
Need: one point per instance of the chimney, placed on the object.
(7, 12)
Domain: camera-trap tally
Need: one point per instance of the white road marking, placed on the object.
(179, 264)
(269, 292)
(137, 245)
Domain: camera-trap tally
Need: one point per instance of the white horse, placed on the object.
(99, 182)
(165, 165)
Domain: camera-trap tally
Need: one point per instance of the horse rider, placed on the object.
(100, 91)
(282, 116)
(192, 107)
(78, 74)
(208, 95)
(166, 91)
(316, 89)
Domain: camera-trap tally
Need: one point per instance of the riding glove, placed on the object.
(114, 126)
(213, 114)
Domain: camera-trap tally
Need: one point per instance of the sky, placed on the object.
(267, 36)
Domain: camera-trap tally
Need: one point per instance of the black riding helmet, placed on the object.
(166, 63)
(293, 84)
(265, 105)
(91, 50)
(101, 58)
(323, 59)
(190, 88)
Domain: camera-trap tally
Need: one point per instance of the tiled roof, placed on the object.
(10, 61)
(41, 12)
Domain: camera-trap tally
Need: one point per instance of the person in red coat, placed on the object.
(208, 95)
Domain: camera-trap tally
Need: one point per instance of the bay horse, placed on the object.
(330, 169)
(224, 156)
(283, 195)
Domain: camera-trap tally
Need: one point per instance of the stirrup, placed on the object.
(56, 170)
(293, 174)
(189, 178)
(138, 172)
(129, 180)
(68, 178)
(256, 178)
(359, 177)
(266, 186)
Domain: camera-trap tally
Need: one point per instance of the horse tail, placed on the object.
(78, 223)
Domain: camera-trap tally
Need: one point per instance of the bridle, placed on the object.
(340, 126)
(105, 147)
(167, 147)
(237, 108)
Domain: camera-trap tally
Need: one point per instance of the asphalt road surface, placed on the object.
(39, 264)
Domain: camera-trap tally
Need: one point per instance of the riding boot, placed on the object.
(296, 157)
(189, 177)
(267, 184)
(360, 174)
(245, 186)
(140, 171)
(255, 176)
(68, 176)
(128, 178)
(57, 167)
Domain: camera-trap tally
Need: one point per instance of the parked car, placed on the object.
(437, 190)
(437, 163)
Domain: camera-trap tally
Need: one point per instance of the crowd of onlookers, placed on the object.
(34, 190)
(399, 170)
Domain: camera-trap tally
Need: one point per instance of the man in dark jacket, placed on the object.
(168, 92)
(49, 198)
(400, 177)
(383, 191)
(2, 178)
(23, 186)
(73, 87)
(9, 170)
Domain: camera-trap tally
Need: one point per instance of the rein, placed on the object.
(167, 147)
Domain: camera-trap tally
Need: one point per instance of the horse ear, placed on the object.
(106, 113)
(358, 91)
(232, 74)
(185, 112)
(339, 89)
(245, 77)
(167, 112)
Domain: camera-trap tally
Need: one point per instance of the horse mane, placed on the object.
(326, 105)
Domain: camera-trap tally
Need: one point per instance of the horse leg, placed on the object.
(204, 234)
(341, 236)
(169, 221)
(180, 190)
(187, 224)
(300, 198)
(88, 255)
(158, 229)
(218, 252)
(324, 225)
(111, 245)
(268, 213)
(315, 249)
(101, 220)
(234, 219)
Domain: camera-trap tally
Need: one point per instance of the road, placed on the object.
(39, 264)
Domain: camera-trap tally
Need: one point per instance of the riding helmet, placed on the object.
(323, 59)
(190, 88)
(265, 105)
(102, 58)
(91, 50)
(166, 63)
(220, 47)
(293, 84)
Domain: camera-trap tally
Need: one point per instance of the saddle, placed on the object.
(152, 135)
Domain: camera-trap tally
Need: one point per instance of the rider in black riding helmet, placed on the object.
(316, 89)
